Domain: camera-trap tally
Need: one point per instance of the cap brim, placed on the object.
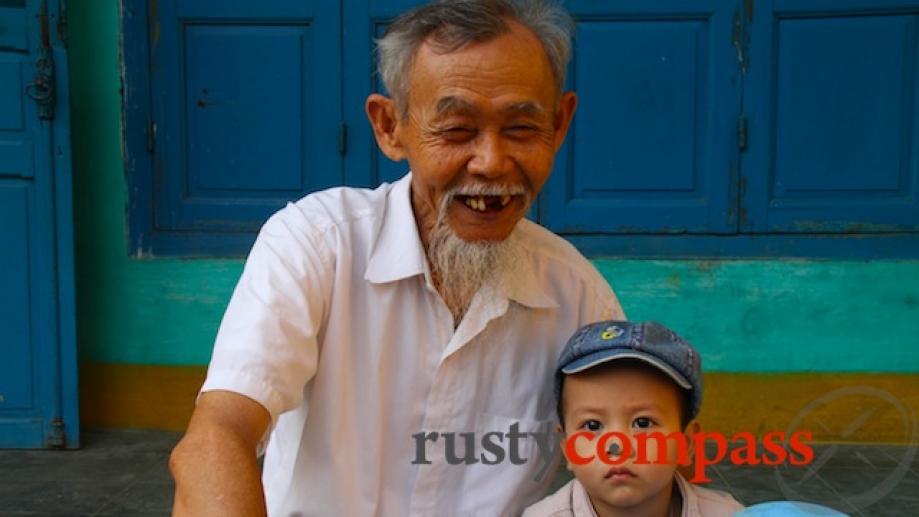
(605, 356)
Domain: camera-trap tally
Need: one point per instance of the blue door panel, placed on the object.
(651, 10)
(652, 148)
(835, 120)
(11, 116)
(16, 157)
(225, 158)
(232, 11)
(37, 349)
(838, 7)
(14, 35)
(16, 390)
(247, 110)
(22, 432)
(823, 65)
(654, 87)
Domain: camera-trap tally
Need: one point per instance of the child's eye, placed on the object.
(592, 425)
(643, 422)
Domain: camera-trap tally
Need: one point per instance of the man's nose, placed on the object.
(490, 158)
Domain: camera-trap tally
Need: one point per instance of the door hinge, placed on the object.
(742, 133)
(343, 139)
(42, 89)
(57, 437)
(151, 136)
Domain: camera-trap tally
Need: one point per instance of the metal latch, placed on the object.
(42, 89)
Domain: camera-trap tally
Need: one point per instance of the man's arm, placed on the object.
(215, 465)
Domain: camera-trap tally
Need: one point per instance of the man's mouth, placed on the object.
(485, 204)
(618, 474)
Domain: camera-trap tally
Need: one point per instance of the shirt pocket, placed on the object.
(505, 488)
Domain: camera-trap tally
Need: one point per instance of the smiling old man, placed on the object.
(365, 317)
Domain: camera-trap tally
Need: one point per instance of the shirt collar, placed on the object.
(690, 499)
(580, 501)
(524, 285)
(398, 253)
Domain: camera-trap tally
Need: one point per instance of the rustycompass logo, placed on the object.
(615, 448)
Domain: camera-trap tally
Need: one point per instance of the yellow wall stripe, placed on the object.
(843, 407)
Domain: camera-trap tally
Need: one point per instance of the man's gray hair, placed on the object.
(449, 25)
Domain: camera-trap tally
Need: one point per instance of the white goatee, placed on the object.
(463, 266)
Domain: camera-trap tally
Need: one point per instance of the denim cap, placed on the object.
(648, 341)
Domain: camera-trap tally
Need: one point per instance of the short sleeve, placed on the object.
(602, 304)
(266, 347)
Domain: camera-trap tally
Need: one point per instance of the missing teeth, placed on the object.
(478, 203)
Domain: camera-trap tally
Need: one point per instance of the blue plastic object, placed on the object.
(788, 509)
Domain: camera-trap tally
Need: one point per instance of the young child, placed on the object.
(629, 378)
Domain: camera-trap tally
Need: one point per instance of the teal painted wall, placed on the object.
(149, 311)
(751, 316)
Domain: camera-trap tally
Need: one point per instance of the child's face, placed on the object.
(627, 399)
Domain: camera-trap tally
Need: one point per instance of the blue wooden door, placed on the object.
(38, 395)
(703, 118)
(652, 148)
(834, 118)
(246, 110)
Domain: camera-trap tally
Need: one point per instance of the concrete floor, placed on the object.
(124, 473)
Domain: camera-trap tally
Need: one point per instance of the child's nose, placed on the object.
(615, 449)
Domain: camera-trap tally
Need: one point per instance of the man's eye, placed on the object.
(457, 133)
(521, 130)
(643, 422)
(592, 425)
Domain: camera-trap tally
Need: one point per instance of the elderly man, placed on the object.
(367, 323)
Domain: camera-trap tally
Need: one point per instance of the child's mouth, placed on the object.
(618, 474)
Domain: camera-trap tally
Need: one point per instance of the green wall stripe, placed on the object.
(774, 316)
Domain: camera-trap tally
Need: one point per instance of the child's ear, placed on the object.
(561, 444)
(692, 429)
(690, 432)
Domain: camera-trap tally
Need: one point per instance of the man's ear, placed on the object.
(385, 120)
(563, 115)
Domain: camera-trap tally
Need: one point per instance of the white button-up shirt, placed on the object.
(336, 329)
